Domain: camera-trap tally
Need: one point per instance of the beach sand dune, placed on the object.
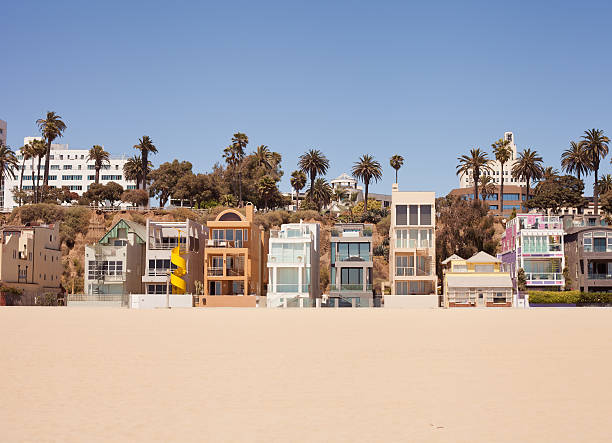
(331, 375)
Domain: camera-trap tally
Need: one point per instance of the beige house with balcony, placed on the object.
(116, 263)
(30, 260)
(234, 261)
(412, 250)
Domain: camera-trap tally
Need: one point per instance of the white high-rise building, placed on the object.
(467, 181)
(69, 168)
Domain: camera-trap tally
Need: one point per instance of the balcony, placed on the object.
(600, 276)
(286, 257)
(158, 272)
(153, 244)
(289, 288)
(227, 244)
(531, 276)
(215, 271)
(365, 232)
(349, 287)
(365, 256)
(114, 277)
(411, 272)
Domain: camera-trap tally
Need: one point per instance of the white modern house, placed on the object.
(69, 168)
(161, 239)
(115, 264)
(293, 265)
(467, 180)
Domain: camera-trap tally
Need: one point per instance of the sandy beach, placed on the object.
(509, 375)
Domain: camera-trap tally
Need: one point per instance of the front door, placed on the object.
(480, 298)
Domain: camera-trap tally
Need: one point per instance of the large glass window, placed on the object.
(401, 215)
(426, 214)
(414, 215)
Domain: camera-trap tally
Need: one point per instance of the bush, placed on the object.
(41, 212)
(47, 299)
(270, 219)
(595, 298)
(554, 297)
(306, 215)
(76, 221)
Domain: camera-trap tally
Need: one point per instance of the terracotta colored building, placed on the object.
(233, 261)
(514, 196)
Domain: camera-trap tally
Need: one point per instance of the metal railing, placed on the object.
(411, 272)
(158, 272)
(215, 271)
(166, 245)
(350, 287)
(531, 276)
(289, 288)
(227, 244)
(352, 257)
(599, 276)
(99, 275)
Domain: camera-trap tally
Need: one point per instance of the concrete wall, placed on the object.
(411, 301)
(150, 301)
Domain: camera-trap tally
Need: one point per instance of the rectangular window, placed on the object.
(401, 215)
(414, 215)
(588, 244)
(426, 214)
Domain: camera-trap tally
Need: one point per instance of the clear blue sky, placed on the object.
(427, 80)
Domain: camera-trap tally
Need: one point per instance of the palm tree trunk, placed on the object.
(365, 207)
(97, 175)
(47, 163)
(33, 183)
(596, 192)
(396, 176)
(501, 192)
(145, 164)
(21, 180)
(38, 179)
(476, 177)
(526, 195)
(240, 185)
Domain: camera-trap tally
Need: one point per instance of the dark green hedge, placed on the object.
(570, 297)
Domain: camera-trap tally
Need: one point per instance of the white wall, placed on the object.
(146, 301)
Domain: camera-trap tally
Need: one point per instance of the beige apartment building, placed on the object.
(30, 260)
(412, 255)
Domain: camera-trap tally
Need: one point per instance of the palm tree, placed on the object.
(339, 194)
(396, 163)
(549, 173)
(313, 163)
(527, 167)
(240, 142)
(227, 200)
(575, 160)
(27, 153)
(298, 181)
(476, 162)
(367, 169)
(8, 163)
(100, 157)
(145, 146)
(605, 184)
(132, 169)
(264, 157)
(596, 148)
(487, 186)
(320, 193)
(503, 154)
(51, 127)
(40, 151)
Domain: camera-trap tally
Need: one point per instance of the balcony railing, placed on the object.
(289, 288)
(158, 272)
(164, 245)
(117, 276)
(351, 234)
(346, 257)
(531, 276)
(350, 287)
(600, 276)
(226, 244)
(215, 271)
(286, 258)
(411, 272)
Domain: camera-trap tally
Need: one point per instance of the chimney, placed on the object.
(395, 187)
(249, 212)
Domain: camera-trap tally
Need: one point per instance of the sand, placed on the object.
(329, 375)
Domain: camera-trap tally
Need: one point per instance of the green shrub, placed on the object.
(76, 221)
(41, 212)
(553, 297)
(595, 298)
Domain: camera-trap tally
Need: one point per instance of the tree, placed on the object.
(596, 148)
(8, 163)
(132, 169)
(137, 197)
(264, 157)
(100, 157)
(267, 189)
(521, 280)
(556, 192)
(487, 187)
(111, 191)
(367, 169)
(503, 154)
(40, 151)
(527, 167)
(313, 163)
(298, 181)
(605, 184)
(234, 157)
(320, 194)
(549, 173)
(396, 163)
(463, 228)
(476, 162)
(227, 200)
(575, 160)
(145, 146)
(51, 128)
(165, 178)
(27, 153)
